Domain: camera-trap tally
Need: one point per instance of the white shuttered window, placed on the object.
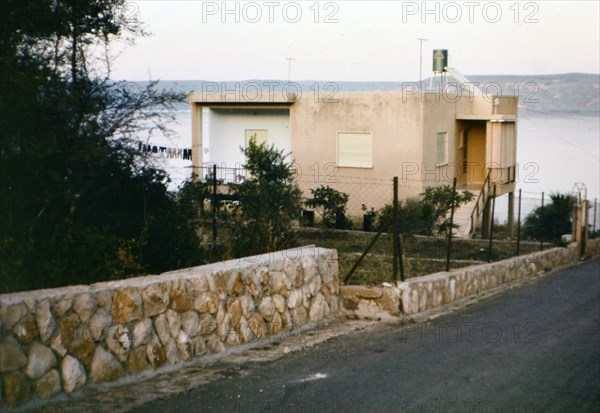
(355, 149)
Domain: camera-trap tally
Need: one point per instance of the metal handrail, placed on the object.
(481, 200)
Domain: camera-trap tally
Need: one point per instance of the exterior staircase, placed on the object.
(462, 217)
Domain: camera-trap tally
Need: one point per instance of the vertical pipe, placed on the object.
(594, 222)
(542, 224)
(214, 207)
(400, 255)
(449, 247)
(492, 224)
(395, 229)
(519, 227)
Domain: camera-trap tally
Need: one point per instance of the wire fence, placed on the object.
(371, 251)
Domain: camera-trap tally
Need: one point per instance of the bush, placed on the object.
(268, 203)
(332, 204)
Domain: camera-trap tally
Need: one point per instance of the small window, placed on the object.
(259, 135)
(355, 149)
(442, 148)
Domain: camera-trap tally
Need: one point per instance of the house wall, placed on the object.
(396, 128)
(439, 116)
(227, 133)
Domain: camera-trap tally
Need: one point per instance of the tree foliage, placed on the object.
(427, 215)
(269, 202)
(551, 221)
(78, 203)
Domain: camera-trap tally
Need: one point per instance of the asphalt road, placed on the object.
(535, 348)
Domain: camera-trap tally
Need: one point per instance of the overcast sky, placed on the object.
(358, 40)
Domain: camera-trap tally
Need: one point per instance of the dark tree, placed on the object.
(551, 221)
(78, 203)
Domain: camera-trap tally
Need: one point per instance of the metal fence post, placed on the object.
(492, 224)
(395, 229)
(594, 222)
(519, 227)
(449, 247)
(214, 209)
(542, 224)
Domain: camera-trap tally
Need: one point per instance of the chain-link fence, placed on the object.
(373, 247)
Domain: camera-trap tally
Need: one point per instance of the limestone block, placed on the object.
(81, 345)
(155, 353)
(105, 367)
(257, 325)
(254, 285)
(207, 303)
(244, 331)
(11, 355)
(156, 298)
(276, 325)
(181, 296)
(190, 323)
(266, 307)
(73, 374)
(184, 345)
(142, 332)
(309, 269)
(127, 306)
(104, 300)
(318, 308)
(295, 299)
(40, 360)
(203, 284)
(198, 346)
(46, 323)
(233, 338)
(56, 344)
(279, 303)
(84, 305)
(207, 325)
(11, 314)
(265, 281)
(221, 279)
(26, 329)
(118, 340)
(248, 306)
(48, 385)
(161, 325)
(224, 327)
(235, 311)
(99, 324)
(215, 345)
(137, 361)
(63, 305)
(235, 283)
(174, 322)
(280, 283)
(16, 388)
(299, 316)
(171, 352)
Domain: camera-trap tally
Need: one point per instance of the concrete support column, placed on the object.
(197, 138)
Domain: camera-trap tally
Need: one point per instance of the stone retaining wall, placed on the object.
(420, 294)
(63, 339)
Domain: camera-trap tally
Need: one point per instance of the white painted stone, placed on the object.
(319, 308)
(184, 345)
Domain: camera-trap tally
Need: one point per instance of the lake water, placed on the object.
(554, 151)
